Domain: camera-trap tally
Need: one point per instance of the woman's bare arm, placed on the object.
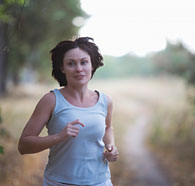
(31, 142)
(112, 153)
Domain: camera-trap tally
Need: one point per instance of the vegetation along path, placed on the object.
(141, 160)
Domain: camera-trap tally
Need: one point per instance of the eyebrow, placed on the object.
(74, 59)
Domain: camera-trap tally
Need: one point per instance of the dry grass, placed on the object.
(172, 137)
(16, 109)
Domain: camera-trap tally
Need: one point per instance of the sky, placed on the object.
(139, 26)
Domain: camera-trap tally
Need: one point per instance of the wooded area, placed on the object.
(174, 60)
(28, 31)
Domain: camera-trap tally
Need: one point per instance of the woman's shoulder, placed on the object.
(49, 97)
(109, 101)
(46, 104)
(48, 100)
(108, 98)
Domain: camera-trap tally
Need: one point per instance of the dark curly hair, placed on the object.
(84, 43)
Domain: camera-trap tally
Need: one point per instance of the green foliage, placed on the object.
(34, 29)
(4, 14)
(1, 120)
(175, 60)
(3, 132)
(127, 65)
(1, 150)
(14, 1)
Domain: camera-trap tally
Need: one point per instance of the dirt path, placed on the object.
(141, 160)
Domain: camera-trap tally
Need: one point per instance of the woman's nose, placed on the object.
(79, 68)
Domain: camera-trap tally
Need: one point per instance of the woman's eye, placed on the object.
(70, 63)
(84, 62)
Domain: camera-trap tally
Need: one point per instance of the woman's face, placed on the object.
(77, 67)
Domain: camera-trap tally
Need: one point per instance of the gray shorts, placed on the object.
(47, 182)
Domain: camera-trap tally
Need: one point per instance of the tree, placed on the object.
(36, 31)
(2, 57)
(176, 60)
(5, 20)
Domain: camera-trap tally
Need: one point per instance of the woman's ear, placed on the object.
(62, 69)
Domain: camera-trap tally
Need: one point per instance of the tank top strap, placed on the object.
(106, 103)
(60, 102)
(103, 100)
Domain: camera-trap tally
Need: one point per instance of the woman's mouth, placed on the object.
(79, 77)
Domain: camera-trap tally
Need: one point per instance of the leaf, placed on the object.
(1, 150)
(1, 119)
(15, 2)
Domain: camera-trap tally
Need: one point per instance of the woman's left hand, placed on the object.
(111, 153)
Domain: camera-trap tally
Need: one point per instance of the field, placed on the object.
(148, 119)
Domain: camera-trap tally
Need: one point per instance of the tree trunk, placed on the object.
(3, 54)
(15, 78)
(3, 57)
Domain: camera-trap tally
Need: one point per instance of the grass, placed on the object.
(172, 136)
(16, 109)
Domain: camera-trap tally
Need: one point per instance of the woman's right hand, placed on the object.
(70, 130)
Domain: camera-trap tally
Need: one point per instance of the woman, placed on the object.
(78, 120)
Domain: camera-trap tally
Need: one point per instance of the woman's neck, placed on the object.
(78, 93)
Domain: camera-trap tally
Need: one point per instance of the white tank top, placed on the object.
(79, 160)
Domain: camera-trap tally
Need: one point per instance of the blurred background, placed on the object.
(149, 71)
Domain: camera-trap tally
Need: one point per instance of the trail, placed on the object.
(140, 159)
